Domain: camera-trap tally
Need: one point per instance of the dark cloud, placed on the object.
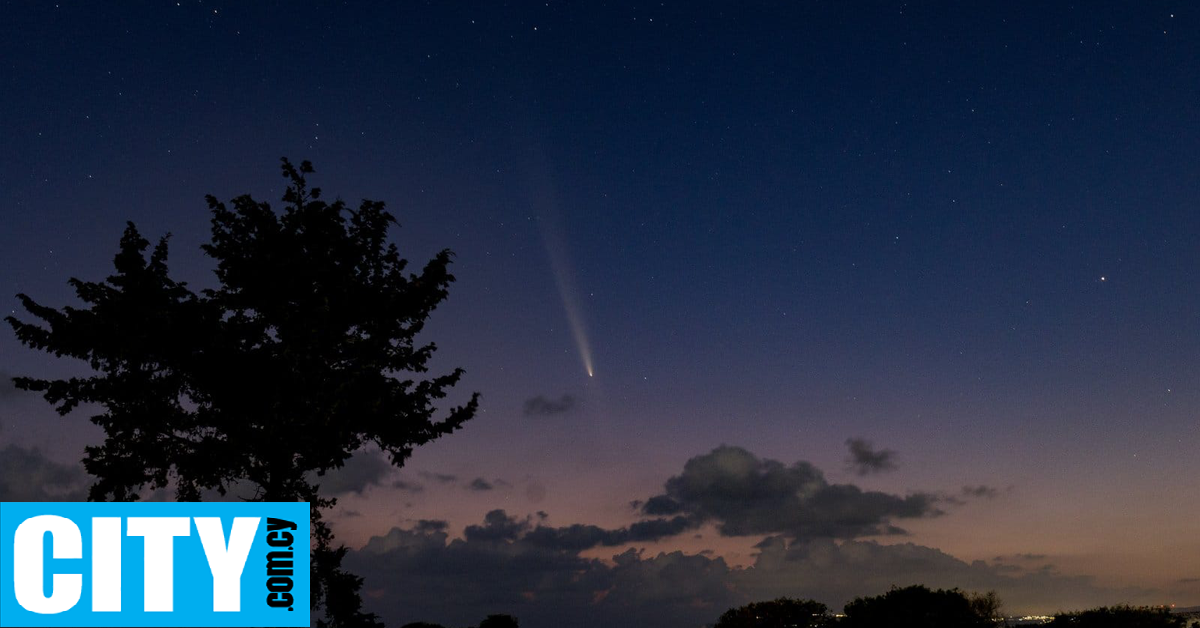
(500, 568)
(981, 491)
(540, 406)
(440, 478)
(1020, 558)
(833, 571)
(26, 475)
(426, 526)
(498, 525)
(654, 529)
(7, 388)
(360, 472)
(480, 484)
(408, 487)
(866, 460)
(745, 496)
(509, 565)
(660, 505)
(580, 537)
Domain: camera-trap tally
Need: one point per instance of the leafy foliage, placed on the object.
(779, 613)
(1119, 617)
(915, 607)
(304, 353)
(985, 605)
(499, 621)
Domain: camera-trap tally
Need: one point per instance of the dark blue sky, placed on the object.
(965, 231)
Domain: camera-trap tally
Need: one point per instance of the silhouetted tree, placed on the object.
(499, 621)
(914, 607)
(422, 624)
(1119, 617)
(303, 353)
(779, 613)
(986, 605)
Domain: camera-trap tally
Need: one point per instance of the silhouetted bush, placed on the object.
(1119, 617)
(986, 605)
(780, 613)
(499, 621)
(915, 607)
(920, 607)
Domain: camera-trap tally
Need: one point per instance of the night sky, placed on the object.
(944, 253)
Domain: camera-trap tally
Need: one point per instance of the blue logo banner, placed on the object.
(154, 564)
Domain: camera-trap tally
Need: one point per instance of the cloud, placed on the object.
(480, 484)
(426, 526)
(498, 525)
(745, 496)
(408, 487)
(7, 388)
(981, 491)
(580, 537)
(1020, 557)
(811, 546)
(26, 475)
(510, 565)
(440, 478)
(866, 460)
(360, 472)
(540, 406)
(500, 566)
(836, 571)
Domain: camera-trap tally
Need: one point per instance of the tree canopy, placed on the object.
(499, 621)
(917, 607)
(303, 352)
(779, 613)
(1119, 617)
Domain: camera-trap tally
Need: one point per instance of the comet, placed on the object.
(544, 201)
(556, 250)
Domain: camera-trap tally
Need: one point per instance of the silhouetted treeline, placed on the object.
(1119, 617)
(779, 612)
(921, 607)
(492, 621)
(908, 607)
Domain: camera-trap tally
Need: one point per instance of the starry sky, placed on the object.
(936, 260)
